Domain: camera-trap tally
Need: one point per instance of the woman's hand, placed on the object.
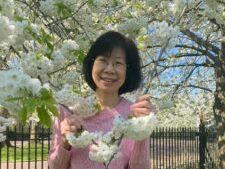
(142, 106)
(70, 124)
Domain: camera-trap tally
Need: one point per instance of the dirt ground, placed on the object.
(26, 165)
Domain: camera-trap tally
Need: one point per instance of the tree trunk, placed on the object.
(219, 106)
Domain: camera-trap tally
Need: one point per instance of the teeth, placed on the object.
(107, 80)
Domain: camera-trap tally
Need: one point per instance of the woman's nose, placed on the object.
(110, 67)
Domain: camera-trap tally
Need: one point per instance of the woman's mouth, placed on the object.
(108, 80)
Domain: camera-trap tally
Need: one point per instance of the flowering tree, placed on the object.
(182, 44)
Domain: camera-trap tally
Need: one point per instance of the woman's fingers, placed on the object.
(71, 124)
(137, 112)
(68, 128)
(143, 103)
(75, 120)
(143, 106)
(143, 97)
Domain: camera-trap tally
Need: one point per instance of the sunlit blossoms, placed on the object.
(141, 127)
(84, 106)
(37, 66)
(7, 8)
(48, 7)
(68, 47)
(49, 39)
(133, 24)
(13, 84)
(7, 30)
(102, 152)
(83, 139)
(163, 34)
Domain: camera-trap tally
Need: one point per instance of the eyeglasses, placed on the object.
(117, 64)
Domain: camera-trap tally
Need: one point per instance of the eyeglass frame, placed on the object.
(104, 63)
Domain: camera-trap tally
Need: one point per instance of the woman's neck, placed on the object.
(107, 100)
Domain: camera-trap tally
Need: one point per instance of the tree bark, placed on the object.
(219, 106)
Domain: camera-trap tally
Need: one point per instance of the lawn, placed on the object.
(15, 154)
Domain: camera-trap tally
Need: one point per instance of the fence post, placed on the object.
(202, 145)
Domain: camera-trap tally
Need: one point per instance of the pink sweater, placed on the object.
(133, 154)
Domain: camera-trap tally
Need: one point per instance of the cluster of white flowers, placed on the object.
(21, 33)
(215, 11)
(7, 8)
(83, 140)
(84, 106)
(12, 84)
(177, 6)
(7, 30)
(50, 8)
(102, 152)
(166, 103)
(67, 96)
(68, 47)
(37, 66)
(58, 60)
(141, 127)
(163, 34)
(5, 122)
(133, 24)
(106, 146)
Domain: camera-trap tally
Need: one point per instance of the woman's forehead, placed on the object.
(115, 53)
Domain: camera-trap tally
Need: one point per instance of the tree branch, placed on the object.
(201, 42)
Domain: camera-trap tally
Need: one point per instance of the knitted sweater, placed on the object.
(133, 154)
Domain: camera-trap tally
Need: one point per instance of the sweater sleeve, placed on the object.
(140, 155)
(58, 157)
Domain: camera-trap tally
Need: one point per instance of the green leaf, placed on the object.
(80, 55)
(52, 108)
(63, 10)
(45, 94)
(30, 105)
(23, 114)
(90, 2)
(18, 18)
(14, 99)
(44, 117)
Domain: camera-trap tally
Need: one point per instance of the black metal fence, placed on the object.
(171, 148)
(183, 148)
(25, 148)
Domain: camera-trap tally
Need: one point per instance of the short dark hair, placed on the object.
(103, 46)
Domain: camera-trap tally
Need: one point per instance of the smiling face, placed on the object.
(109, 72)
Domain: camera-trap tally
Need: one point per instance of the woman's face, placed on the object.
(109, 73)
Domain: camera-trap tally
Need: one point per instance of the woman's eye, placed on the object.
(119, 63)
(101, 60)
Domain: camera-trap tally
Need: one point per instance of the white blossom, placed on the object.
(7, 7)
(102, 152)
(12, 84)
(86, 107)
(67, 96)
(7, 30)
(37, 66)
(133, 24)
(83, 140)
(163, 34)
(48, 7)
(139, 128)
(68, 47)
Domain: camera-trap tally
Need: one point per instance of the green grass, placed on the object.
(26, 157)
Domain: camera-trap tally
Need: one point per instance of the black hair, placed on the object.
(103, 46)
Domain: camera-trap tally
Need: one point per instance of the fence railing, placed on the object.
(171, 148)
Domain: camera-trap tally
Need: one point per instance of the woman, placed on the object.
(111, 68)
